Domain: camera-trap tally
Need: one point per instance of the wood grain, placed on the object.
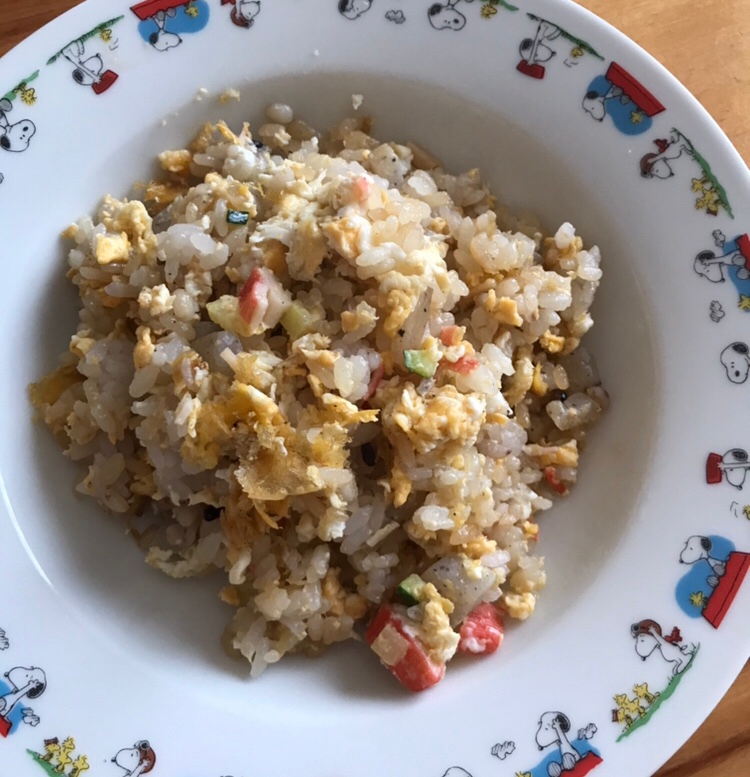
(704, 45)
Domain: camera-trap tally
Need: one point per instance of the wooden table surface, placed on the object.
(703, 44)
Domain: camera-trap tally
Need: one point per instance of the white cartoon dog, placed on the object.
(136, 760)
(26, 683)
(712, 267)
(733, 467)
(697, 549)
(595, 104)
(353, 9)
(86, 71)
(735, 359)
(554, 728)
(244, 12)
(162, 39)
(14, 137)
(535, 51)
(648, 639)
(446, 17)
(669, 150)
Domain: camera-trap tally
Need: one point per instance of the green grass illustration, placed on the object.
(663, 696)
(502, 4)
(46, 766)
(708, 174)
(12, 93)
(713, 180)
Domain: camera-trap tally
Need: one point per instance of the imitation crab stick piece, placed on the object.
(550, 475)
(402, 653)
(254, 297)
(451, 335)
(463, 366)
(362, 189)
(482, 630)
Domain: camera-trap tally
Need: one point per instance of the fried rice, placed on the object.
(323, 365)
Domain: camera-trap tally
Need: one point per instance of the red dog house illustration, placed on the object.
(743, 245)
(714, 473)
(585, 765)
(642, 98)
(149, 8)
(107, 78)
(533, 71)
(5, 726)
(729, 584)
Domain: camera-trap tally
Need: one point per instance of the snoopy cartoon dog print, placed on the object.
(137, 760)
(353, 9)
(732, 466)
(735, 359)
(572, 753)
(446, 17)
(162, 21)
(717, 571)
(16, 136)
(243, 12)
(649, 640)
(21, 683)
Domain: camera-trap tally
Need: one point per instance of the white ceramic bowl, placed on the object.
(566, 118)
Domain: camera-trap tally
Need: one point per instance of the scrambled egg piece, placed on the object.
(343, 237)
(236, 193)
(399, 304)
(342, 603)
(273, 255)
(530, 530)
(362, 319)
(156, 301)
(560, 455)
(132, 218)
(80, 345)
(256, 369)
(522, 378)
(552, 343)
(428, 422)
(160, 195)
(267, 476)
(503, 309)
(309, 249)
(520, 606)
(112, 248)
(48, 390)
(345, 412)
(436, 633)
(538, 384)
(176, 161)
(207, 135)
(214, 424)
(400, 485)
(144, 348)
